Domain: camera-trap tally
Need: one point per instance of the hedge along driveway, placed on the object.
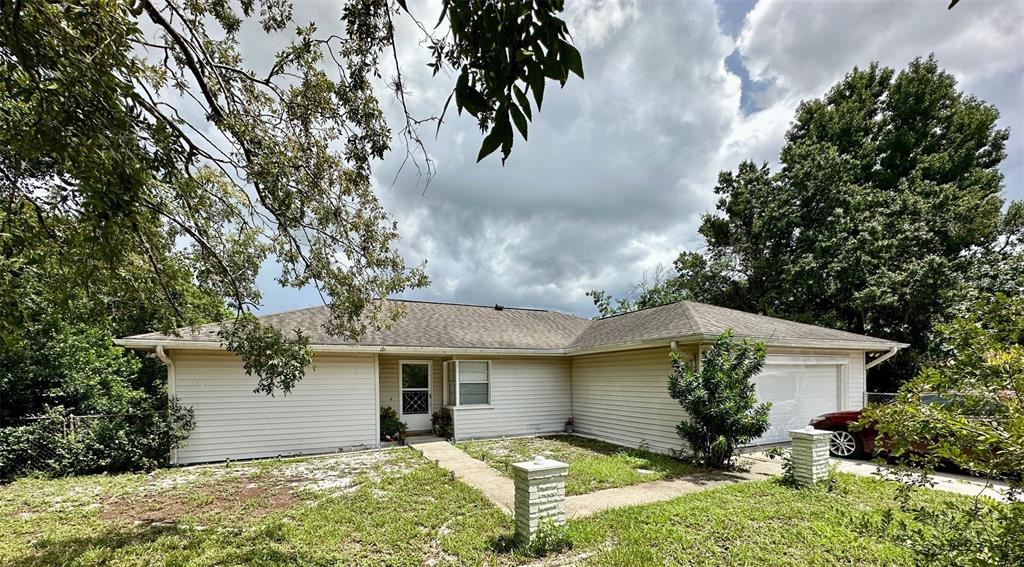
(593, 465)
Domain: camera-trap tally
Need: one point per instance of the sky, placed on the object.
(620, 166)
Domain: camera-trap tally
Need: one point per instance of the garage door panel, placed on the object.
(797, 392)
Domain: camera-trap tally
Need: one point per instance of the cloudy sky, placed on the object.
(620, 166)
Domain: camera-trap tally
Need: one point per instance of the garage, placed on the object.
(333, 408)
(799, 388)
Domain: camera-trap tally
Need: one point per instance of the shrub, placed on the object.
(976, 531)
(723, 412)
(968, 411)
(550, 538)
(113, 443)
(391, 427)
(443, 423)
(39, 446)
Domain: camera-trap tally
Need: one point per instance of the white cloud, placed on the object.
(620, 166)
(614, 177)
(802, 48)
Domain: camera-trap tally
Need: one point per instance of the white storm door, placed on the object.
(414, 378)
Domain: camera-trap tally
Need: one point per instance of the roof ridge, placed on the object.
(472, 305)
(614, 315)
(454, 303)
(695, 321)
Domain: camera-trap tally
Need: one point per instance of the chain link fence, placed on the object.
(59, 444)
(879, 398)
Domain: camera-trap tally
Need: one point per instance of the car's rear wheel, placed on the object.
(844, 444)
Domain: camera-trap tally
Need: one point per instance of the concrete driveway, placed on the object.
(947, 482)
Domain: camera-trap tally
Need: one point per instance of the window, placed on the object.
(467, 382)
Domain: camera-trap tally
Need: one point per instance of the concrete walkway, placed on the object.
(500, 489)
(752, 466)
(478, 474)
(660, 490)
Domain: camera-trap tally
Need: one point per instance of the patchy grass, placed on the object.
(396, 508)
(390, 507)
(752, 523)
(593, 465)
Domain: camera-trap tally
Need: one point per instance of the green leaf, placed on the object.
(573, 58)
(536, 79)
(491, 142)
(523, 53)
(519, 119)
(466, 96)
(506, 142)
(523, 101)
(553, 68)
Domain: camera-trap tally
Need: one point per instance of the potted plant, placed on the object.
(392, 429)
(569, 425)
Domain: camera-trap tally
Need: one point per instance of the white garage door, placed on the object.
(797, 392)
(333, 408)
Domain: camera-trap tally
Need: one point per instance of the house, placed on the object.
(502, 371)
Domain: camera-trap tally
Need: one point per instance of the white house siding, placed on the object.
(389, 391)
(622, 397)
(333, 408)
(856, 381)
(528, 396)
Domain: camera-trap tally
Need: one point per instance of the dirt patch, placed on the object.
(339, 475)
(205, 494)
(238, 497)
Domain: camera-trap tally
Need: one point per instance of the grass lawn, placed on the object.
(396, 508)
(593, 465)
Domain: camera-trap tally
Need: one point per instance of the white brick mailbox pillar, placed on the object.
(810, 455)
(540, 495)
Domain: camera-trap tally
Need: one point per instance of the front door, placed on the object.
(414, 379)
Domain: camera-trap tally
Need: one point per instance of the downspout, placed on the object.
(160, 354)
(892, 352)
(376, 396)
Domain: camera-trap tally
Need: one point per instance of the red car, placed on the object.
(846, 443)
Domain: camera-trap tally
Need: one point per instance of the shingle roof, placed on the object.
(426, 324)
(448, 325)
(689, 318)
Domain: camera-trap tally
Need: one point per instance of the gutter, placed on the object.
(892, 352)
(148, 344)
(160, 354)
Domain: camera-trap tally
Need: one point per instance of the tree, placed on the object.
(650, 292)
(140, 131)
(722, 411)
(978, 420)
(968, 410)
(60, 359)
(888, 198)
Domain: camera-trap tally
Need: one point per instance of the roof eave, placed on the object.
(867, 346)
(179, 344)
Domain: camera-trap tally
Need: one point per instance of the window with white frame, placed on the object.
(467, 382)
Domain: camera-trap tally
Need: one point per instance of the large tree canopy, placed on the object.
(888, 203)
(138, 131)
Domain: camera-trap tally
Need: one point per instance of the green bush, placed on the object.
(443, 423)
(719, 400)
(39, 446)
(976, 531)
(391, 427)
(51, 447)
(550, 538)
